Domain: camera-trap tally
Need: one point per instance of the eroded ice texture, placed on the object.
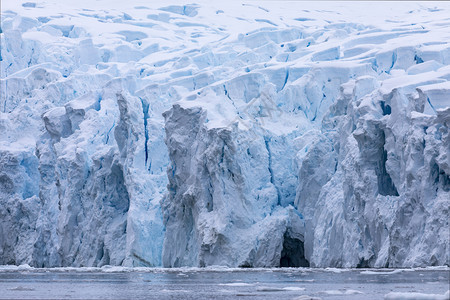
(178, 134)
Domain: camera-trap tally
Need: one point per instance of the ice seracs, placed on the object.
(253, 136)
(223, 207)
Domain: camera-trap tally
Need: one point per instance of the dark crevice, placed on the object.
(209, 200)
(245, 265)
(417, 59)
(119, 200)
(145, 107)
(385, 185)
(394, 60)
(385, 108)
(439, 178)
(375, 65)
(226, 93)
(293, 253)
(100, 252)
(445, 179)
(285, 78)
(364, 263)
(272, 179)
(429, 102)
(109, 131)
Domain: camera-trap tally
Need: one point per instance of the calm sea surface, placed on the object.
(284, 283)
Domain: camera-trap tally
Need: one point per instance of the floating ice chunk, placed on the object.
(293, 288)
(416, 296)
(342, 292)
(21, 288)
(276, 289)
(307, 297)
(269, 289)
(236, 284)
(115, 269)
(174, 291)
(24, 267)
(381, 272)
(336, 270)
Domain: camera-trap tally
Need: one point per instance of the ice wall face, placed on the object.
(368, 191)
(223, 206)
(79, 180)
(370, 182)
(289, 137)
(389, 186)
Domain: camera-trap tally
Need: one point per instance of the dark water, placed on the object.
(217, 284)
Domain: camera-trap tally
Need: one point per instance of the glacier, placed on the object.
(243, 135)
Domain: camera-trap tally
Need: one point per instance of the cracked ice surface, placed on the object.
(290, 134)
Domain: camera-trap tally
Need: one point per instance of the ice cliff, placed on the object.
(181, 134)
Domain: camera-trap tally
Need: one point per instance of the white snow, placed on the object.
(291, 135)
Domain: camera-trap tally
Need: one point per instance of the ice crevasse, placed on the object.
(249, 135)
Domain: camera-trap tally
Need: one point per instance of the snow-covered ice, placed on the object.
(237, 134)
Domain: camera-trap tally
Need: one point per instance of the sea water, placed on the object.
(220, 283)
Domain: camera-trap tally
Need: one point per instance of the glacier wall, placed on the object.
(254, 136)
